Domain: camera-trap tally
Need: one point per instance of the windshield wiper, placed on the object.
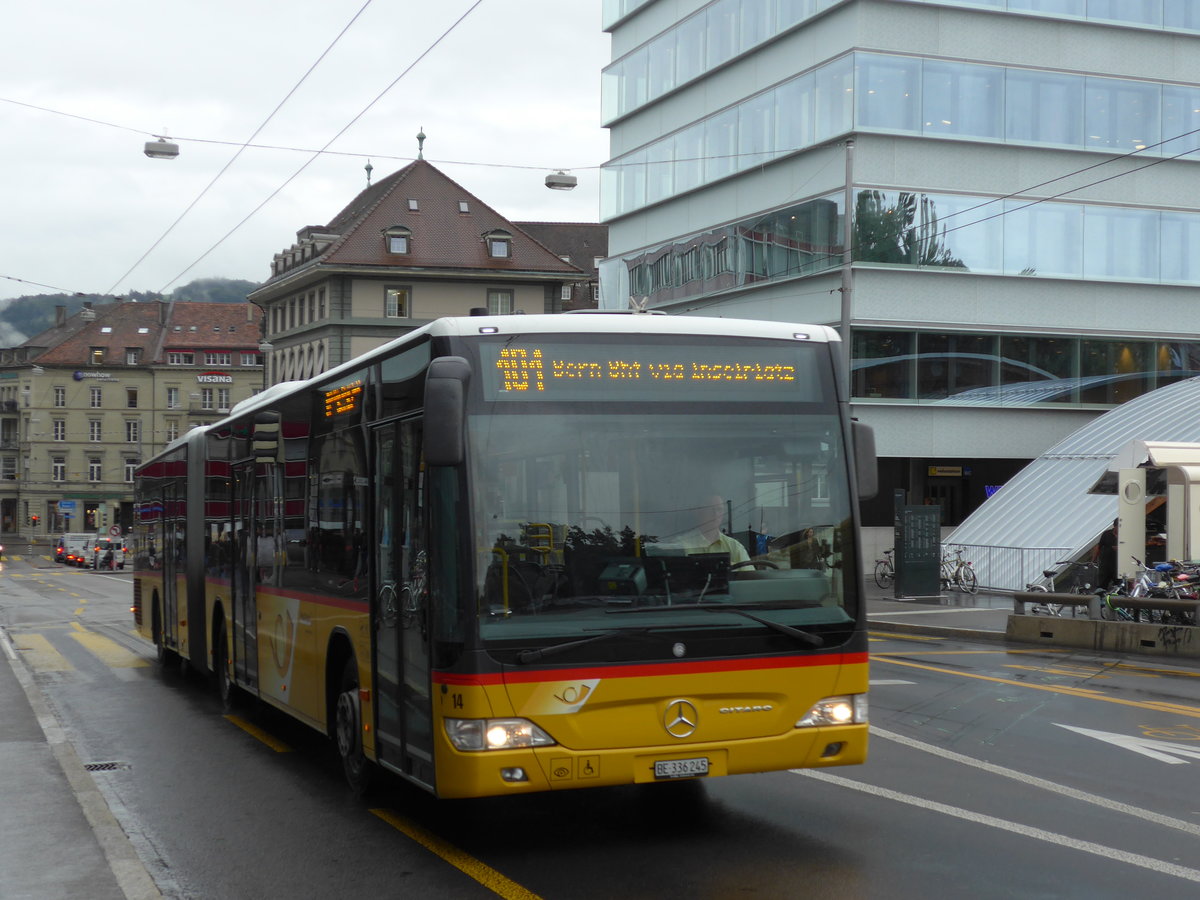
(530, 656)
(806, 637)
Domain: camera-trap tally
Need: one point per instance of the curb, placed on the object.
(946, 631)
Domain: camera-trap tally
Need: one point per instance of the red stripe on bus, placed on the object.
(642, 670)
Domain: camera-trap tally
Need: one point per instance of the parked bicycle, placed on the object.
(957, 572)
(1067, 577)
(1172, 580)
(885, 570)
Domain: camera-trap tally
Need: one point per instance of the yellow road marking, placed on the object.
(109, 651)
(966, 652)
(1068, 691)
(464, 862)
(254, 731)
(41, 655)
(889, 636)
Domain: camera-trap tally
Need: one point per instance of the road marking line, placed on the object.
(876, 682)
(40, 654)
(109, 651)
(890, 636)
(1050, 838)
(254, 731)
(929, 612)
(484, 874)
(1034, 781)
(1176, 708)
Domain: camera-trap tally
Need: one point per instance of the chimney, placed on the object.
(60, 316)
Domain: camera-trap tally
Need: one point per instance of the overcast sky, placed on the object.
(516, 83)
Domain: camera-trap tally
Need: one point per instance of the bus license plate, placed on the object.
(680, 768)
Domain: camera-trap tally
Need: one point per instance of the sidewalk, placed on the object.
(981, 616)
(58, 838)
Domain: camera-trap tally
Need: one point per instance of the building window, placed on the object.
(60, 429)
(172, 398)
(131, 399)
(94, 468)
(95, 431)
(60, 396)
(251, 359)
(58, 468)
(321, 303)
(172, 430)
(96, 356)
(500, 302)
(595, 292)
(8, 468)
(397, 239)
(396, 302)
(565, 293)
(130, 466)
(133, 356)
(133, 431)
(498, 243)
(176, 358)
(206, 398)
(464, 206)
(217, 359)
(223, 399)
(97, 398)
(413, 205)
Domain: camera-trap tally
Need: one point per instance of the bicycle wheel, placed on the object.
(967, 579)
(883, 574)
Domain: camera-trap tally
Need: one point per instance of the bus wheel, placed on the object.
(166, 656)
(226, 689)
(348, 731)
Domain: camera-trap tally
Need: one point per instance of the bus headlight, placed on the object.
(495, 734)
(848, 710)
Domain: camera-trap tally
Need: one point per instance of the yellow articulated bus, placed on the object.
(522, 553)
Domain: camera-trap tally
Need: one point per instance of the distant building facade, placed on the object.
(83, 403)
(412, 248)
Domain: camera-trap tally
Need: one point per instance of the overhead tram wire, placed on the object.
(317, 154)
(242, 148)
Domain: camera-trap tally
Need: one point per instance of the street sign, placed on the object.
(66, 506)
(114, 530)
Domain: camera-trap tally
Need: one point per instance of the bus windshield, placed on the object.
(721, 511)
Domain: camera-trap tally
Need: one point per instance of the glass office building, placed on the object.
(992, 199)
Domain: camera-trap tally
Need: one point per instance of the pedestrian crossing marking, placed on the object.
(109, 652)
(40, 654)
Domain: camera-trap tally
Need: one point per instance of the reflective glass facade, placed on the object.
(1013, 370)
(726, 29)
(909, 95)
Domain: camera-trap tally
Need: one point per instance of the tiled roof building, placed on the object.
(82, 403)
(412, 248)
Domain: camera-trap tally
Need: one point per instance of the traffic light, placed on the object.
(33, 520)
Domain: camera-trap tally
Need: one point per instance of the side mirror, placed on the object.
(866, 466)
(445, 410)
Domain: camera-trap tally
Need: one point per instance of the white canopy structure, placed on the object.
(1049, 511)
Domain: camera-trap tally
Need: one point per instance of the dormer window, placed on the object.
(464, 206)
(498, 243)
(397, 238)
(413, 205)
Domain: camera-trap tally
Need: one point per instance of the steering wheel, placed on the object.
(756, 563)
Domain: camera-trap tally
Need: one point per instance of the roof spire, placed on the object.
(369, 169)
(421, 143)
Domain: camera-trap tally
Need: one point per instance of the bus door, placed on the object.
(170, 559)
(400, 610)
(244, 631)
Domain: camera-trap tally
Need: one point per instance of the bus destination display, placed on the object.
(550, 371)
(343, 399)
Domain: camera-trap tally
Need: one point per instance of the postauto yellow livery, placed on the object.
(524, 553)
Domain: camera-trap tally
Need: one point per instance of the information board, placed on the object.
(918, 541)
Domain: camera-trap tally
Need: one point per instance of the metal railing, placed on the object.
(1011, 568)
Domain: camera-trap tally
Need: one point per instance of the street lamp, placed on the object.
(161, 149)
(265, 347)
(561, 181)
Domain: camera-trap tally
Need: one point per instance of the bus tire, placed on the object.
(226, 689)
(347, 731)
(166, 657)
